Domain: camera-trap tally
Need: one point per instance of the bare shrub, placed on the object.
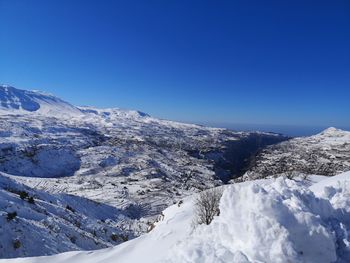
(16, 244)
(305, 177)
(11, 215)
(291, 175)
(207, 206)
(296, 175)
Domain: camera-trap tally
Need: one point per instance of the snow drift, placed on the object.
(278, 222)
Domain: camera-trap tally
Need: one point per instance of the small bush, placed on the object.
(73, 239)
(207, 206)
(23, 195)
(16, 244)
(114, 237)
(77, 223)
(68, 207)
(11, 216)
(124, 238)
(31, 200)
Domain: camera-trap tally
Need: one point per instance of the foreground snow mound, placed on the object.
(340, 181)
(279, 222)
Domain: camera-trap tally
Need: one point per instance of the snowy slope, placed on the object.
(333, 181)
(326, 153)
(36, 223)
(276, 220)
(16, 101)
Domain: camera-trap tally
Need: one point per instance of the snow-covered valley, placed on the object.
(81, 178)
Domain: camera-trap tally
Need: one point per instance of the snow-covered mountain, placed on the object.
(275, 220)
(126, 159)
(81, 178)
(327, 153)
(18, 101)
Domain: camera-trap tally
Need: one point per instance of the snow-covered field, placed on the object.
(272, 220)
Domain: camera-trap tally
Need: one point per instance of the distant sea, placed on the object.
(290, 130)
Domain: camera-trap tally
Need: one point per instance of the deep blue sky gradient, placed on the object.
(254, 62)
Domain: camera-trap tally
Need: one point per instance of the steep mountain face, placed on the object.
(327, 153)
(126, 159)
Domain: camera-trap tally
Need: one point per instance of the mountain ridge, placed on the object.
(326, 153)
(18, 101)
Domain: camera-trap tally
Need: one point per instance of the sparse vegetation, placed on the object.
(11, 216)
(16, 244)
(124, 237)
(23, 195)
(68, 207)
(207, 206)
(114, 237)
(73, 239)
(31, 200)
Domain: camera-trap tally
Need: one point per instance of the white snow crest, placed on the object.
(281, 222)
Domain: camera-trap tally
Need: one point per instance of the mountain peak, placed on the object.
(331, 131)
(13, 100)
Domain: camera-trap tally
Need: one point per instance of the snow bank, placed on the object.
(333, 181)
(280, 222)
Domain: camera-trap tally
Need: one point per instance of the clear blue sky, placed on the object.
(272, 62)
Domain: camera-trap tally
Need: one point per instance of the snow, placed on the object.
(275, 220)
(125, 159)
(326, 153)
(16, 101)
(151, 247)
(135, 165)
(333, 181)
(54, 223)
